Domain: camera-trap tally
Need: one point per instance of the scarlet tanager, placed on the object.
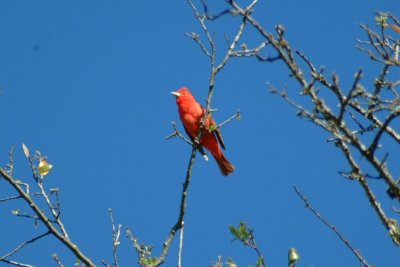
(191, 113)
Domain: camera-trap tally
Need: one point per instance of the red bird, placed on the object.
(190, 113)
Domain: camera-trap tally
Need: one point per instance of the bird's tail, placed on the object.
(224, 165)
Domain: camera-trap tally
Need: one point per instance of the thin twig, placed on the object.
(116, 233)
(10, 164)
(349, 96)
(9, 198)
(182, 209)
(356, 252)
(382, 129)
(235, 116)
(17, 263)
(52, 209)
(57, 260)
(135, 244)
(22, 245)
(213, 17)
(178, 133)
(253, 244)
(197, 39)
(231, 47)
(180, 245)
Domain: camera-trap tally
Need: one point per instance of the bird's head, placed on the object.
(183, 94)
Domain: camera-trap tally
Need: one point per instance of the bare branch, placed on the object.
(22, 245)
(10, 164)
(53, 211)
(245, 52)
(236, 116)
(356, 174)
(46, 221)
(9, 198)
(180, 245)
(57, 260)
(231, 47)
(116, 233)
(16, 263)
(197, 39)
(212, 17)
(202, 23)
(349, 95)
(356, 252)
(382, 129)
(177, 133)
(322, 114)
(182, 210)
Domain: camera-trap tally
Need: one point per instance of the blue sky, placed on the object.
(88, 84)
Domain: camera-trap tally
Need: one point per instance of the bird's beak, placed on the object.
(176, 94)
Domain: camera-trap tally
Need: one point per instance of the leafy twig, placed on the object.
(244, 234)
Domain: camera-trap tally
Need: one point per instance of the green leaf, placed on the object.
(231, 263)
(234, 231)
(260, 262)
(244, 231)
(381, 20)
(212, 127)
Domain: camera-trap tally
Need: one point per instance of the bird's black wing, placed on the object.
(219, 137)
